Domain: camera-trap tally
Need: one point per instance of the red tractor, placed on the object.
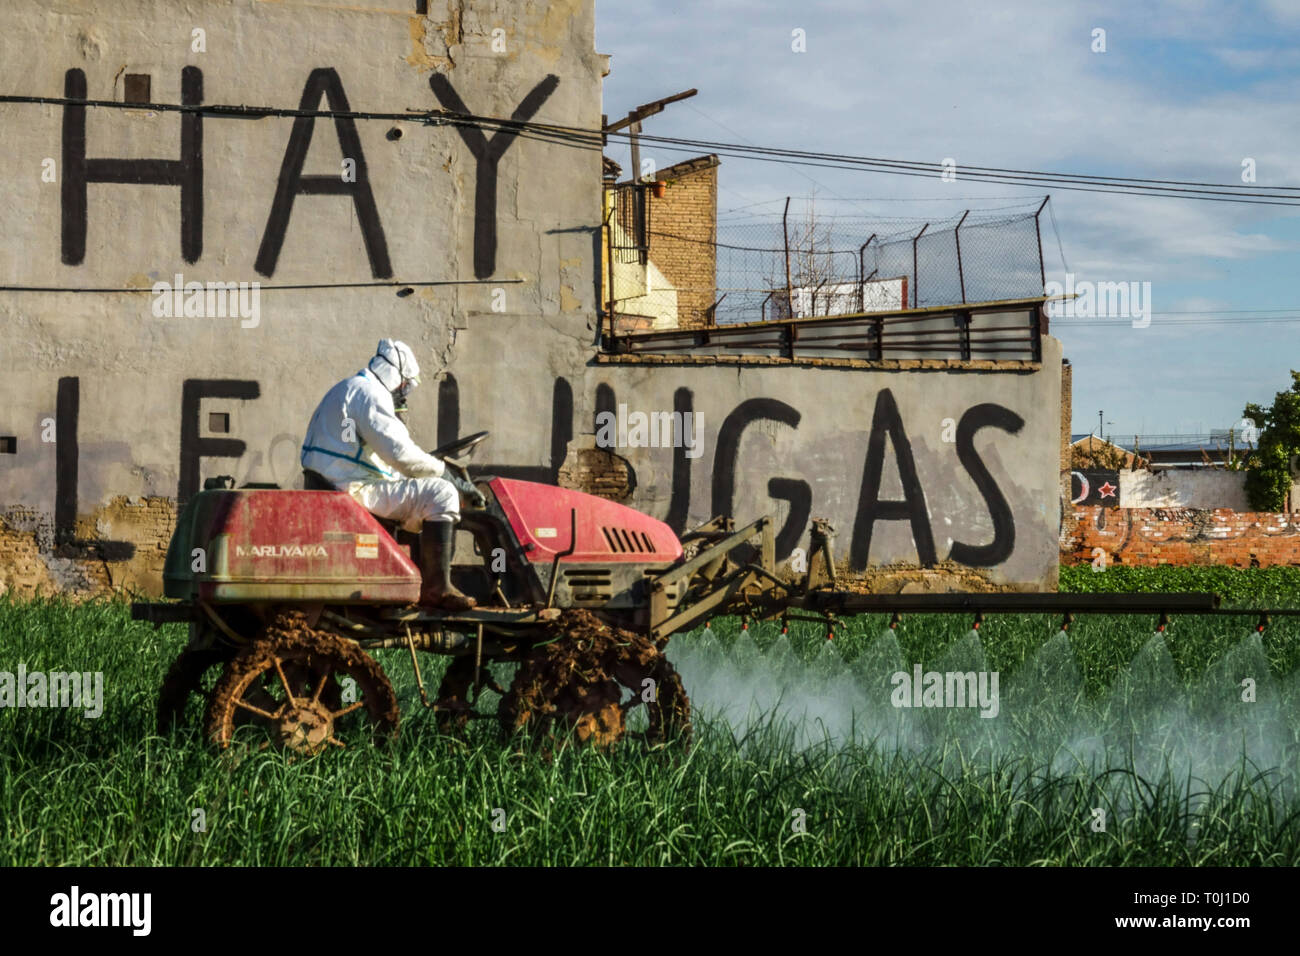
(286, 592)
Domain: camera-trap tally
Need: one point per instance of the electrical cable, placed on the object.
(595, 139)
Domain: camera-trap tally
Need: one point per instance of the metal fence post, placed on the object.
(916, 278)
(1042, 269)
(956, 234)
(785, 231)
(862, 273)
(611, 218)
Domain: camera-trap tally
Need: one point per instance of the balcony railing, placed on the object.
(1009, 330)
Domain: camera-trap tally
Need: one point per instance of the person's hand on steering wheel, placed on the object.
(458, 474)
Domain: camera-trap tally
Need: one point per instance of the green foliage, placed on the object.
(1277, 586)
(1095, 454)
(1268, 476)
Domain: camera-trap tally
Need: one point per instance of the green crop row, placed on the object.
(1277, 586)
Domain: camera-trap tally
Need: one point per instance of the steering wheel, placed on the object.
(465, 445)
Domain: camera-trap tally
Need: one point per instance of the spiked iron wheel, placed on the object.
(185, 677)
(576, 682)
(455, 709)
(453, 695)
(290, 683)
(654, 682)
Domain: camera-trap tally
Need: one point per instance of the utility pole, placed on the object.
(1101, 425)
(640, 202)
(632, 122)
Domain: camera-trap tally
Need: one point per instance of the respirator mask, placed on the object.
(400, 396)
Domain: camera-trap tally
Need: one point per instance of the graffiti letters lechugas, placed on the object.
(886, 423)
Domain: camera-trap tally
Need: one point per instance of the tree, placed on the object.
(1096, 454)
(1268, 467)
(814, 263)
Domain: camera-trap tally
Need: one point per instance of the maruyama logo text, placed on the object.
(281, 551)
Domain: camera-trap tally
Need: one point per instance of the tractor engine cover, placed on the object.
(270, 545)
(614, 548)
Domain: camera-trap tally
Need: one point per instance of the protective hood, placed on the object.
(394, 362)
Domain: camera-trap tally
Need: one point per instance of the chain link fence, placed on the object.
(787, 266)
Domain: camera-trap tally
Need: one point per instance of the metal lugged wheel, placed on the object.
(576, 681)
(453, 696)
(185, 678)
(655, 683)
(308, 689)
(546, 696)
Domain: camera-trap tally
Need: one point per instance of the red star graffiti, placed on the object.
(1107, 490)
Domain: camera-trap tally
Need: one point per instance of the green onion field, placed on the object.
(1111, 745)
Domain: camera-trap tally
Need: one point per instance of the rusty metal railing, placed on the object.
(1009, 330)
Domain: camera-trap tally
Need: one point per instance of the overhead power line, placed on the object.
(1071, 182)
(293, 287)
(594, 139)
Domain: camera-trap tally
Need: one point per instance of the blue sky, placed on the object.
(1184, 91)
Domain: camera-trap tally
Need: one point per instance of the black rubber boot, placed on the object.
(437, 548)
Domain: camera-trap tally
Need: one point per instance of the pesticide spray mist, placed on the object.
(1234, 720)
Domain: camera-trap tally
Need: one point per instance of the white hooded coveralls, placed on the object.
(357, 443)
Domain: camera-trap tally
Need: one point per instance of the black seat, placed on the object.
(315, 481)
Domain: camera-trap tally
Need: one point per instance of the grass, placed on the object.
(108, 791)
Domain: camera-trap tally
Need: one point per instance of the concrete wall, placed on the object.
(112, 404)
(643, 297)
(1199, 488)
(797, 442)
(126, 373)
(1190, 488)
(1065, 512)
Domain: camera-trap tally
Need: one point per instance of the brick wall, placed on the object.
(23, 570)
(689, 210)
(1067, 415)
(33, 562)
(1151, 536)
(596, 471)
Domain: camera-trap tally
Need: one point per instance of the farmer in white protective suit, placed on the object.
(356, 443)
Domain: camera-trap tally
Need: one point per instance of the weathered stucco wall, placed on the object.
(1203, 488)
(111, 404)
(134, 386)
(957, 467)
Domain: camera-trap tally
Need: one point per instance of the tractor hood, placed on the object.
(271, 545)
(603, 531)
